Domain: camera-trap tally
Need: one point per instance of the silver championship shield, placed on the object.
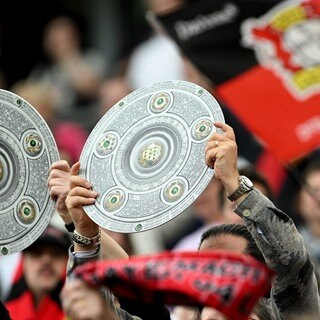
(27, 149)
(145, 157)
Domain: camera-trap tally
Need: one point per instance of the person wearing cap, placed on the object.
(35, 292)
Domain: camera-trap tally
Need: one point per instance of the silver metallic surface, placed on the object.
(27, 149)
(145, 157)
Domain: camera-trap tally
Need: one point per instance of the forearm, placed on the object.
(111, 249)
(294, 288)
(274, 231)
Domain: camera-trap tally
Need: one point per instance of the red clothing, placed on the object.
(22, 308)
(20, 301)
(4, 314)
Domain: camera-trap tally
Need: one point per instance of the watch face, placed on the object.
(247, 182)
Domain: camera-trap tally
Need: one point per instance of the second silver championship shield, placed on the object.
(145, 157)
(27, 149)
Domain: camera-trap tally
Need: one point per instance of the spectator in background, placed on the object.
(208, 208)
(155, 60)
(75, 73)
(70, 138)
(112, 90)
(308, 204)
(35, 293)
(169, 234)
(69, 135)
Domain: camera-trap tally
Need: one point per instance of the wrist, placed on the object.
(240, 199)
(66, 218)
(87, 230)
(245, 185)
(85, 242)
(231, 185)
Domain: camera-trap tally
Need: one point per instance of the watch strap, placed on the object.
(241, 190)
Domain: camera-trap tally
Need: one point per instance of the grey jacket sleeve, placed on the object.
(295, 288)
(76, 259)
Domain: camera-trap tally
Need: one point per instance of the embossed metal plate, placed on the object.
(145, 157)
(27, 149)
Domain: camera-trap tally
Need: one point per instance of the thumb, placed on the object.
(75, 169)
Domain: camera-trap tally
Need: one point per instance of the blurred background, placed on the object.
(73, 60)
(113, 27)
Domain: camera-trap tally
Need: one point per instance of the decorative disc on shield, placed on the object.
(146, 156)
(27, 149)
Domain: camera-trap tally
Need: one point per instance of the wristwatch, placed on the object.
(245, 186)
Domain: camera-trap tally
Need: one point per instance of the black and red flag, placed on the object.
(263, 57)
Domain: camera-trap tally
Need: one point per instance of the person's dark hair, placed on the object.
(237, 230)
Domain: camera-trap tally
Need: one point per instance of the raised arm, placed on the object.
(295, 288)
(59, 185)
(61, 180)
